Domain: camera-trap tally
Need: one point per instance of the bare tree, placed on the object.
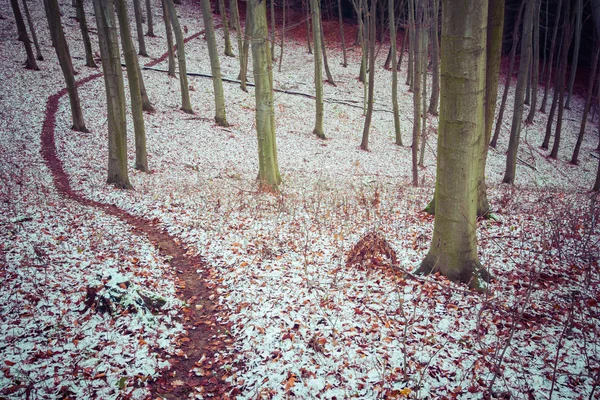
(87, 44)
(23, 36)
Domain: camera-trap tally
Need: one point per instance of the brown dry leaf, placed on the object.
(290, 382)
(178, 382)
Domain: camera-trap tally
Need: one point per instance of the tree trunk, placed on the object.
(345, 62)
(273, 29)
(115, 94)
(364, 145)
(411, 44)
(453, 250)
(511, 66)
(324, 49)
(64, 58)
(552, 47)
(131, 63)
(423, 54)
(228, 50)
(30, 62)
(495, 32)
(268, 175)
(235, 18)
(87, 44)
(38, 52)
(588, 103)
(282, 35)
(394, 74)
(306, 7)
(150, 31)
(215, 66)
(316, 23)
(139, 28)
(186, 105)
(575, 60)
(244, 54)
(435, 60)
(415, 43)
(169, 33)
(535, 69)
(524, 66)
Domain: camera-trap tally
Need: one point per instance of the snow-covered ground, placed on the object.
(305, 324)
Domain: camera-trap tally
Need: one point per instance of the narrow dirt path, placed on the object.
(205, 334)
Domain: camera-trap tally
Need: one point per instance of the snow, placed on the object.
(304, 324)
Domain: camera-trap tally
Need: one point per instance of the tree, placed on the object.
(364, 145)
(578, 25)
(23, 36)
(38, 52)
(139, 28)
(133, 77)
(453, 250)
(398, 133)
(64, 59)
(87, 44)
(228, 50)
(316, 23)
(244, 53)
(339, 6)
(235, 21)
(186, 105)
(416, 35)
(215, 66)
(150, 31)
(535, 65)
(435, 60)
(169, 32)
(324, 49)
(115, 94)
(515, 131)
(552, 47)
(268, 173)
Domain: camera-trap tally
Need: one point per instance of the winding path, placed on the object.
(204, 332)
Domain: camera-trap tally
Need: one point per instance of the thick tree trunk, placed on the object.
(215, 66)
(575, 60)
(38, 52)
(495, 32)
(318, 130)
(64, 58)
(186, 105)
(87, 44)
(453, 250)
(552, 47)
(137, 9)
(268, 174)
(364, 145)
(150, 31)
(115, 94)
(169, 32)
(30, 61)
(131, 63)
(524, 66)
(339, 6)
(435, 60)
(228, 50)
(588, 103)
(394, 56)
(511, 66)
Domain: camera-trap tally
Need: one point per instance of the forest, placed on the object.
(299, 199)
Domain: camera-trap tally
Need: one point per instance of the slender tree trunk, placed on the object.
(401, 56)
(588, 103)
(273, 29)
(64, 58)
(575, 61)
(215, 66)
(552, 47)
(137, 9)
(316, 23)
(186, 105)
(411, 44)
(416, 43)
(364, 145)
(528, 83)
(131, 63)
(424, 35)
(150, 31)
(515, 131)
(30, 62)
(394, 74)
(511, 65)
(282, 35)
(435, 58)
(307, 9)
(268, 175)
(345, 62)
(235, 21)
(38, 52)
(87, 44)
(228, 50)
(115, 94)
(536, 62)
(169, 39)
(453, 250)
(244, 53)
(324, 49)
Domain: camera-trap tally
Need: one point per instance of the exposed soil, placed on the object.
(205, 334)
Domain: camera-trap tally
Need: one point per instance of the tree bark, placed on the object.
(273, 29)
(131, 63)
(235, 18)
(87, 44)
(535, 68)
(411, 44)
(416, 93)
(268, 174)
(435, 61)
(282, 35)
(453, 250)
(574, 62)
(64, 58)
(552, 47)
(318, 130)
(306, 7)
(139, 28)
(324, 49)
(515, 131)
(38, 52)
(244, 53)
(186, 105)
(30, 61)
(169, 34)
(364, 145)
(345, 62)
(115, 94)
(423, 53)
(394, 61)
(228, 50)
(150, 31)
(215, 66)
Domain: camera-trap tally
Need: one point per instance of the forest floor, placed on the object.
(99, 297)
